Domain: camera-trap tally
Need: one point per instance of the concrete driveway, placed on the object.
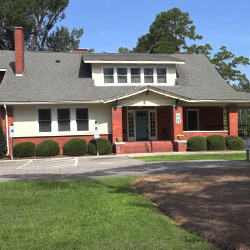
(97, 167)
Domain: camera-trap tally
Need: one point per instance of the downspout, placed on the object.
(7, 129)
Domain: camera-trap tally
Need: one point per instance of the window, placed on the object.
(135, 75)
(108, 75)
(130, 75)
(82, 119)
(192, 120)
(122, 75)
(161, 75)
(148, 75)
(44, 120)
(63, 117)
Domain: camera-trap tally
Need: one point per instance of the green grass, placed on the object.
(85, 214)
(228, 156)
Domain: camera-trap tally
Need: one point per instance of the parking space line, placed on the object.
(76, 162)
(25, 164)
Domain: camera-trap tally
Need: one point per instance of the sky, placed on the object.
(110, 24)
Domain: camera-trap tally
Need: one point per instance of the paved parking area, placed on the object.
(97, 167)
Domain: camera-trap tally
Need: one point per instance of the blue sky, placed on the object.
(110, 24)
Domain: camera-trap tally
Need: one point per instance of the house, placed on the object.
(142, 102)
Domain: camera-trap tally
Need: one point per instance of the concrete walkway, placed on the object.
(98, 167)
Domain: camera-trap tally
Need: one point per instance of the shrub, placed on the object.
(76, 146)
(197, 143)
(48, 148)
(3, 143)
(215, 142)
(103, 144)
(234, 142)
(24, 149)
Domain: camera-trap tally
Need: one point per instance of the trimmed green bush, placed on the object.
(216, 142)
(24, 149)
(3, 143)
(48, 148)
(234, 142)
(104, 145)
(197, 143)
(74, 147)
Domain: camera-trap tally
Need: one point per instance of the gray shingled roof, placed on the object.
(129, 57)
(44, 80)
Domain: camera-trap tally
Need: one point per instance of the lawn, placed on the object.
(187, 157)
(214, 203)
(86, 214)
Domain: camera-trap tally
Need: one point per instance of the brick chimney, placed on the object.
(80, 50)
(19, 51)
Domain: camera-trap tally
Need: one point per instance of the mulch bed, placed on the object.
(213, 203)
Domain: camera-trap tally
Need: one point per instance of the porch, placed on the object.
(140, 129)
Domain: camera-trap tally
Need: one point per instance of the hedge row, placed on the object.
(215, 142)
(73, 147)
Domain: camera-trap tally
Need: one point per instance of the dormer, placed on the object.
(133, 69)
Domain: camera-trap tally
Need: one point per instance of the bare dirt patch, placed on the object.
(214, 203)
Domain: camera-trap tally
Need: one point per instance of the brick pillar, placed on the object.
(177, 128)
(116, 123)
(10, 121)
(232, 120)
(19, 51)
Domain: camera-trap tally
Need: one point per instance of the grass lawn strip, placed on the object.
(227, 156)
(86, 214)
(214, 203)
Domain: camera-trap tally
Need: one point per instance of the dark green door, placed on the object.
(141, 125)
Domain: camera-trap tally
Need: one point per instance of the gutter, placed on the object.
(7, 129)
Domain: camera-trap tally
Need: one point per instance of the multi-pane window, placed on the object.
(44, 120)
(148, 75)
(82, 119)
(130, 75)
(192, 120)
(63, 118)
(161, 75)
(135, 75)
(131, 131)
(122, 75)
(108, 75)
(152, 124)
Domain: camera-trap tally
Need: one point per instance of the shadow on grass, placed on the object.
(214, 203)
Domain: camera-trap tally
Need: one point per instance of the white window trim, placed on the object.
(129, 76)
(54, 121)
(198, 119)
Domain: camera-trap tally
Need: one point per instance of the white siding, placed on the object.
(26, 124)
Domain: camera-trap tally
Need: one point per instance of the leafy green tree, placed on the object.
(168, 33)
(123, 50)
(91, 50)
(227, 64)
(62, 40)
(201, 49)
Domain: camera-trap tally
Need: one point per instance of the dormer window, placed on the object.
(135, 75)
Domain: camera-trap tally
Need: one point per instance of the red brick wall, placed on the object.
(145, 147)
(180, 146)
(10, 121)
(163, 122)
(19, 51)
(232, 120)
(208, 116)
(116, 123)
(187, 135)
(177, 127)
(59, 139)
(124, 123)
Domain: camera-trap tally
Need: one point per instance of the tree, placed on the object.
(201, 49)
(226, 64)
(62, 40)
(168, 33)
(15, 13)
(37, 17)
(123, 50)
(91, 50)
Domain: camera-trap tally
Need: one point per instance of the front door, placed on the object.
(141, 125)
